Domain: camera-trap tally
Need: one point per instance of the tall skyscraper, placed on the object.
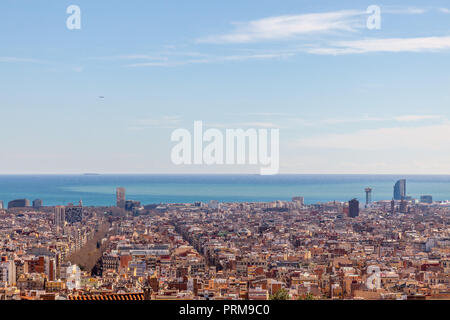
(353, 208)
(299, 200)
(59, 216)
(400, 189)
(120, 197)
(37, 203)
(368, 196)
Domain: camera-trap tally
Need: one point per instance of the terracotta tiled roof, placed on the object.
(108, 297)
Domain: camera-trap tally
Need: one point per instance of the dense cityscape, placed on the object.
(395, 249)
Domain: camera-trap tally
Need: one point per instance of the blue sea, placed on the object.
(99, 190)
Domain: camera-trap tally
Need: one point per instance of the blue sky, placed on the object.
(346, 99)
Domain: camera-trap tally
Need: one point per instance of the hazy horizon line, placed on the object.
(222, 174)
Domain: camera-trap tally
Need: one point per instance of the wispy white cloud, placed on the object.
(287, 120)
(259, 124)
(243, 125)
(425, 44)
(402, 10)
(288, 26)
(132, 57)
(415, 118)
(262, 114)
(164, 122)
(343, 22)
(262, 56)
(152, 64)
(351, 120)
(51, 65)
(18, 59)
(367, 118)
(430, 137)
(444, 10)
(212, 59)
